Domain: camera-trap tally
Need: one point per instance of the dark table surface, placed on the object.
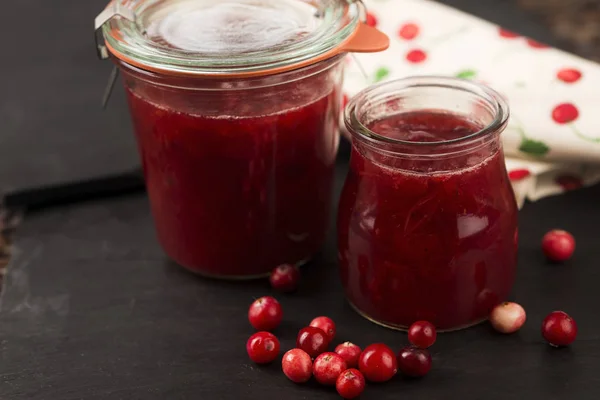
(92, 309)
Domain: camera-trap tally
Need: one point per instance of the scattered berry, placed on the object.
(507, 317)
(378, 363)
(312, 340)
(327, 367)
(350, 384)
(265, 314)
(350, 353)
(422, 334)
(297, 365)
(414, 362)
(558, 245)
(559, 329)
(262, 347)
(326, 324)
(285, 278)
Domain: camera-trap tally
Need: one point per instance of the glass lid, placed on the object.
(237, 37)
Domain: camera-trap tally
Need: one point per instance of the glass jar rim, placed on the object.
(356, 126)
(125, 36)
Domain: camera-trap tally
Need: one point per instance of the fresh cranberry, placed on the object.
(505, 33)
(371, 20)
(265, 314)
(297, 365)
(378, 363)
(569, 75)
(416, 56)
(327, 367)
(409, 31)
(565, 113)
(414, 362)
(350, 384)
(326, 324)
(350, 353)
(312, 340)
(518, 174)
(559, 329)
(422, 334)
(262, 347)
(507, 317)
(285, 278)
(558, 245)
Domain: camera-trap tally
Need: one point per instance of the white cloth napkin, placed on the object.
(553, 138)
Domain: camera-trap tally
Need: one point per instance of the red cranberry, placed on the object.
(312, 340)
(422, 334)
(297, 365)
(507, 317)
(378, 363)
(265, 314)
(327, 367)
(350, 384)
(285, 278)
(262, 347)
(559, 329)
(558, 245)
(350, 353)
(326, 325)
(414, 362)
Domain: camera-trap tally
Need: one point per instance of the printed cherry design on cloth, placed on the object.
(505, 33)
(516, 175)
(565, 113)
(536, 45)
(371, 19)
(569, 75)
(416, 56)
(568, 182)
(409, 31)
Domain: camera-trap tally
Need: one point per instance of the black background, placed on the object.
(92, 309)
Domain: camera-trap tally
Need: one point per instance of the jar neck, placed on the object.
(457, 123)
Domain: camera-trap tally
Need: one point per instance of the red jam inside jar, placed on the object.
(427, 219)
(236, 108)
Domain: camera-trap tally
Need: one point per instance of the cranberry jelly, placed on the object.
(236, 195)
(432, 237)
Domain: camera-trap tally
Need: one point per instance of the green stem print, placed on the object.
(582, 136)
(529, 146)
(467, 74)
(381, 74)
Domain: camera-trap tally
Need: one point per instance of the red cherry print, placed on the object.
(505, 33)
(568, 182)
(409, 31)
(416, 56)
(371, 20)
(518, 174)
(569, 75)
(536, 45)
(565, 113)
(345, 100)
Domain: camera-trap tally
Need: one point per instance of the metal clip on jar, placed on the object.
(235, 105)
(427, 220)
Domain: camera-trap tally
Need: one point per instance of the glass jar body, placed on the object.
(427, 238)
(239, 172)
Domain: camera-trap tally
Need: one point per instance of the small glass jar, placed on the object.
(235, 106)
(427, 222)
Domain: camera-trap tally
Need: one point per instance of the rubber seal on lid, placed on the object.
(233, 37)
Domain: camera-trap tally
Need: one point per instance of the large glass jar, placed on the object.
(235, 107)
(427, 218)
